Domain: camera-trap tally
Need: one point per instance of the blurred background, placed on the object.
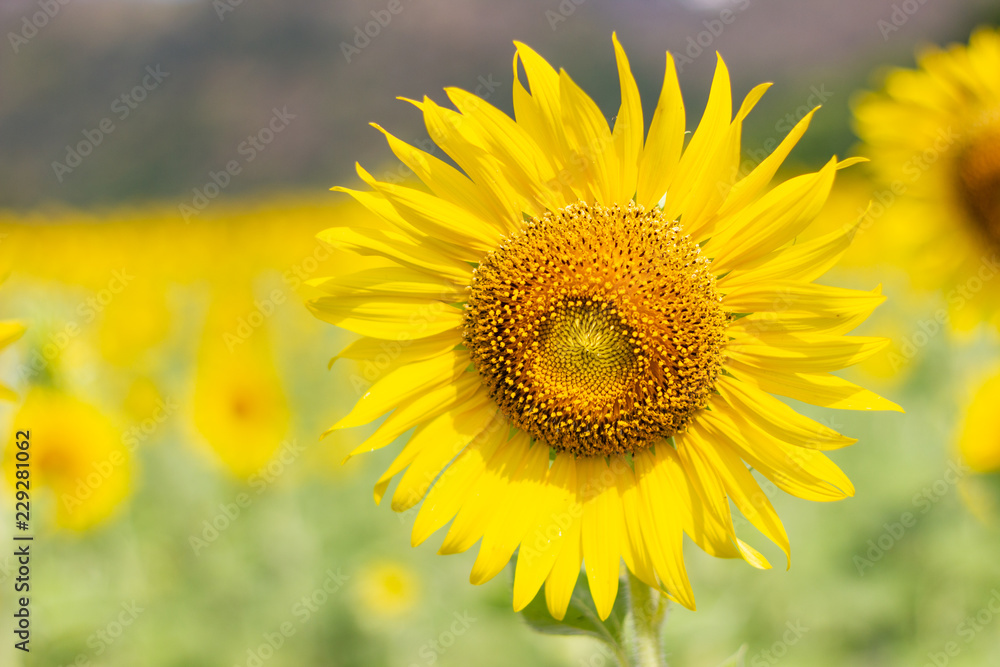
(165, 167)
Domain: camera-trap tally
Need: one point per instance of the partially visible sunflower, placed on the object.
(387, 589)
(586, 327)
(933, 134)
(77, 453)
(239, 405)
(9, 332)
(979, 448)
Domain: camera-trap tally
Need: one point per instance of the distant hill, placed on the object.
(153, 98)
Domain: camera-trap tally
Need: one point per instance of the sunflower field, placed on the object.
(469, 334)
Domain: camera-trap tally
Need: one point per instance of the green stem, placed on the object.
(647, 615)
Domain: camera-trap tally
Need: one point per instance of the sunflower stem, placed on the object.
(648, 611)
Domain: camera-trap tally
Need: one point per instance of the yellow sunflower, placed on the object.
(979, 449)
(979, 439)
(586, 327)
(77, 453)
(9, 333)
(239, 406)
(934, 138)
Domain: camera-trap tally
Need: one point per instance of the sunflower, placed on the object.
(586, 328)
(979, 449)
(77, 453)
(387, 589)
(9, 332)
(934, 138)
(239, 406)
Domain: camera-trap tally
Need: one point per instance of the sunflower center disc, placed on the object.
(597, 329)
(979, 180)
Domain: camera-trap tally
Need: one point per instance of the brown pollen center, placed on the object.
(598, 330)
(979, 180)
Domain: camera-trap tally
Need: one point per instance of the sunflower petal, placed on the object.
(452, 431)
(601, 533)
(801, 262)
(427, 405)
(562, 579)
(777, 418)
(589, 140)
(389, 354)
(453, 486)
(508, 527)
(772, 221)
(804, 473)
(399, 317)
(542, 543)
(444, 180)
(747, 189)
(807, 353)
(789, 295)
(822, 389)
(403, 384)
(662, 530)
(739, 484)
(662, 152)
(398, 248)
(628, 130)
(483, 500)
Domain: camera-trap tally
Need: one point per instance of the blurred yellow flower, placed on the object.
(586, 328)
(77, 453)
(239, 405)
(933, 134)
(387, 589)
(979, 447)
(134, 321)
(9, 332)
(979, 438)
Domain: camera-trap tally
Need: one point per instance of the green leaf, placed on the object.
(738, 659)
(581, 616)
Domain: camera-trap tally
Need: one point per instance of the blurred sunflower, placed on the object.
(933, 134)
(76, 452)
(387, 589)
(586, 328)
(239, 406)
(979, 447)
(9, 332)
